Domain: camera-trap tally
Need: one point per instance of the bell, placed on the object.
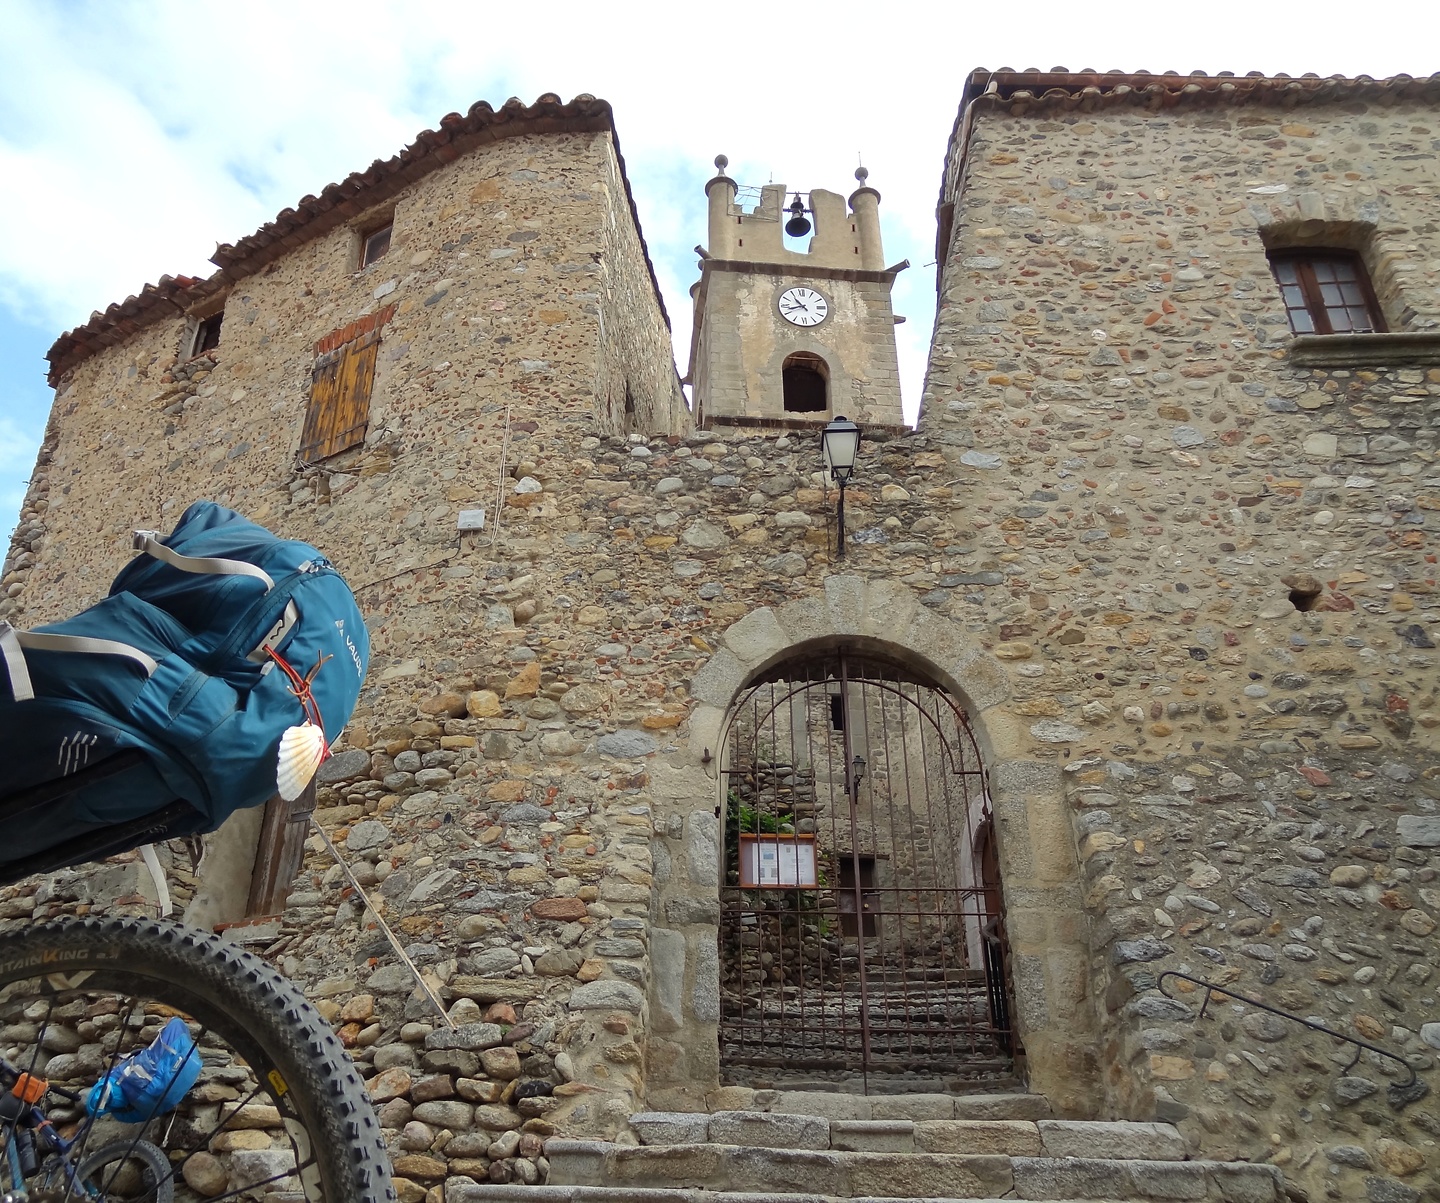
(798, 225)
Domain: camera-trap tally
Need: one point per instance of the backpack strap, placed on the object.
(148, 541)
(157, 875)
(15, 667)
(13, 644)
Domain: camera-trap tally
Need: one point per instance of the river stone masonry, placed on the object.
(1254, 788)
(1183, 584)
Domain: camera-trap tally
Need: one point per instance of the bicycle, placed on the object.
(35, 1152)
(278, 1110)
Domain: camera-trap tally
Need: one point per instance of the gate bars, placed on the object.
(862, 927)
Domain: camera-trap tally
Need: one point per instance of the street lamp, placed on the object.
(857, 771)
(839, 445)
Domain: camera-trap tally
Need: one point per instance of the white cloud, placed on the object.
(18, 442)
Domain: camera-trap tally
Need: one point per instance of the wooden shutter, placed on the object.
(280, 853)
(340, 388)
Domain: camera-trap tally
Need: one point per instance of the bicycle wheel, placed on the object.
(127, 1171)
(278, 1109)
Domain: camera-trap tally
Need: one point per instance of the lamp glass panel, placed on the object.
(839, 447)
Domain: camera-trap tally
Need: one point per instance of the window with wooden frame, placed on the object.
(340, 387)
(207, 334)
(1326, 291)
(375, 245)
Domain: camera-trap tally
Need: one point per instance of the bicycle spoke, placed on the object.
(275, 1102)
(78, 1155)
(195, 1039)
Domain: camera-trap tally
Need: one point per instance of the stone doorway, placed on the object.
(862, 935)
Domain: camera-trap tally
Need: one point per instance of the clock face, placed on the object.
(803, 307)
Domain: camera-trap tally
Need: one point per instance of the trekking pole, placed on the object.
(385, 927)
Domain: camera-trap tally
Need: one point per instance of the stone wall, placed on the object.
(1254, 788)
(636, 374)
(1092, 543)
(519, 289)
(528, 792)
(518, 282)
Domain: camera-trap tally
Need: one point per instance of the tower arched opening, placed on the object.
(805, 381)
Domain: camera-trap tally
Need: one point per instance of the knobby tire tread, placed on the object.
(244, 1000)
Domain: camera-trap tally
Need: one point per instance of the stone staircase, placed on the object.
(826, 1147)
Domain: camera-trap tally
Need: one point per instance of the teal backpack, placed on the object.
(162, 710)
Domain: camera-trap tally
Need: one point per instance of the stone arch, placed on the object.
(882, 794)
(1038, 859)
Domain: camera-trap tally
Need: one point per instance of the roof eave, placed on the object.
(340, 203)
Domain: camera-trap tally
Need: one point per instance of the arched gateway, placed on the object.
(862, 932)
(929, 691)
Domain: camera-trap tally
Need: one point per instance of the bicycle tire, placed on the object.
(159, 1181)
(295, 1057)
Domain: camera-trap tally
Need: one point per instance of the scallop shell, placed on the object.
(302, 749)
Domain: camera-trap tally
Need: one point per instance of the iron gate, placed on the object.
(862, 927)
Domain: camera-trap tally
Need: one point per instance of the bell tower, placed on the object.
(796, 333)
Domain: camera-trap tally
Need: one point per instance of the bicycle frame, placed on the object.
(34, 1120)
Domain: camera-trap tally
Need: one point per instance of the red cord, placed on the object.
(300, 687)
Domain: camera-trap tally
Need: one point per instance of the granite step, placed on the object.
(842, 1174)
(1011, 1137)
(464, 1191)
(833, 1104)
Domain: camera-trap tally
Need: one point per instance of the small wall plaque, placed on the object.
(472, 520)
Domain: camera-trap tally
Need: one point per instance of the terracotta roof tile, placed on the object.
(337, 203)
(1017, 91)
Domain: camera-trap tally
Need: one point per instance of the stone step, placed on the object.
(855, 1175)
(464, 1191)
(972, 1079)
(834, 1104)
(1011, 1137)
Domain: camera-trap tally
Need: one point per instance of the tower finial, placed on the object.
(721, 162)
(862, 174)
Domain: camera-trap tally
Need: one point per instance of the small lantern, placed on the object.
(839, 445)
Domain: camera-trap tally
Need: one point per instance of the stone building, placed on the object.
(1128, 667)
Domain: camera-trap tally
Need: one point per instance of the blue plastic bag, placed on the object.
(150, 1082)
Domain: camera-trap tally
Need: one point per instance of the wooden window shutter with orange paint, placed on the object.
(340, 388)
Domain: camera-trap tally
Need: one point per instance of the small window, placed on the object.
(1326, 292)
(207, 334)
(375, 245)
(805, 380)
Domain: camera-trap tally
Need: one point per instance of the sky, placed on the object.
(137, 134)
